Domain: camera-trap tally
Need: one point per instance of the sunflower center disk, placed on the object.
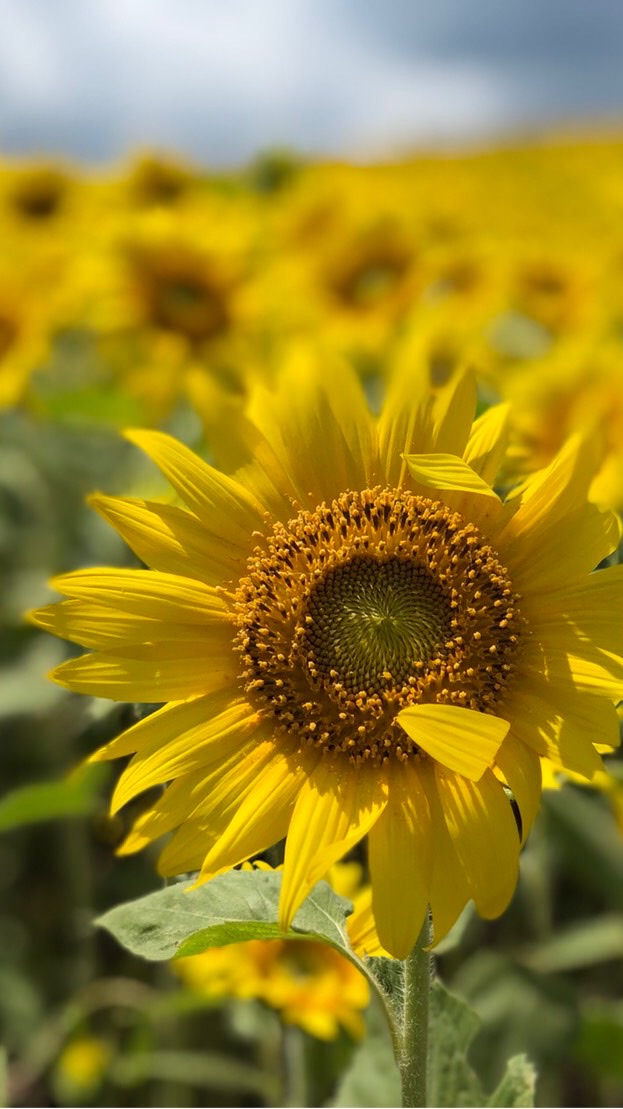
(372, 621)
(380, 600)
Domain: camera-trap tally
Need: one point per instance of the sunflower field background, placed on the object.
(158, 295)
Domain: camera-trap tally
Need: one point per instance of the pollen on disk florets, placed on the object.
(379, 600)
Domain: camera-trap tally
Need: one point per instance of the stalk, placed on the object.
(413, 1056)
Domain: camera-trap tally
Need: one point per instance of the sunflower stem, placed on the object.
(412, 1061)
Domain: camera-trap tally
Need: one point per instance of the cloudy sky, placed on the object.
(222, 79)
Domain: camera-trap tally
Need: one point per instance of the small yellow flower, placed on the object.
(82, 1065)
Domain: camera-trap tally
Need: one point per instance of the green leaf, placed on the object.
(237, 906)
(453, 1025)
(71, 797)
(517, 1086)
(372, 1079)
(583, 945)
(451, 1079)
(208, 1069)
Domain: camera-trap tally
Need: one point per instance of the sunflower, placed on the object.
(25, 335)
(578, 387)
(308, 982)
(157, 180)
(37, 193)
(354, 636)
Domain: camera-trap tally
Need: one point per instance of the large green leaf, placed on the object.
(451, 1079)
(453, 1025)
(237, 906)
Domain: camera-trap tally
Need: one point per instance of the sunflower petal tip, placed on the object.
(137, 435)
(56, 675)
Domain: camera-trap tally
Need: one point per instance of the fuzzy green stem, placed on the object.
(413, 1056)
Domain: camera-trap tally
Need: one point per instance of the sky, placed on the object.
(220, 80)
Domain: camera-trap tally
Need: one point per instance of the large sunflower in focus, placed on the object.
(354, 636)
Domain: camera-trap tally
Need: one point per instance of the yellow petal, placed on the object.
(562, 724)
(335, 808)
(450, 891)
(521, 769)
(145, 593)
(101, 629)
(400, 851)
(199, 835)
(128, 636)
(487, 442)
(319, 426)
(261, 818)
(160, 726)
(169, 539)
(181, 798)
(447, 473)
(419, 418)
(484, 834)
(594, 607)
(123, 679)
(570, 655)
(453, 413)
(406, 421)
(226, 725)
(559, 554)
(361, 927)
(460, 738)
(220, 502)
(552, 494)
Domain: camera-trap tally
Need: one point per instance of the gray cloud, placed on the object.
(218, 81)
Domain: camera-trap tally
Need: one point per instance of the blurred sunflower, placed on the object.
(167, 293)
(158, 180)
(36, 193)
(346, 262)
(310, 983)
(81, 1067)
(578, 387)
(355, 636)
(553, 286)
(25, 336)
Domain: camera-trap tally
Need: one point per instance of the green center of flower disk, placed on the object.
(380, 600)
